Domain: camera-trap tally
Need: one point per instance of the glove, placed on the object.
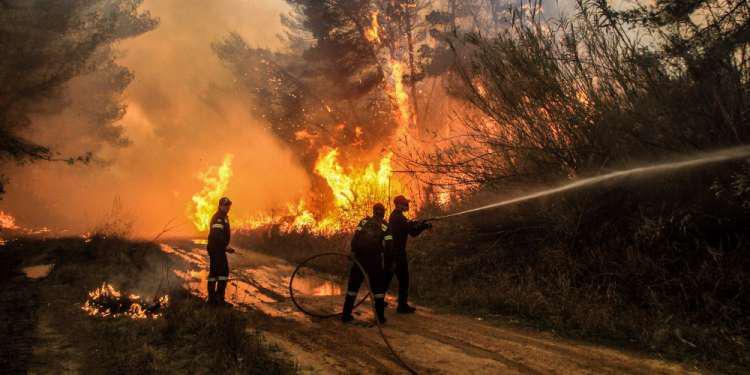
(426, 225)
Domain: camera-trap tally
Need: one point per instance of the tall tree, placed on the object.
(43, 46)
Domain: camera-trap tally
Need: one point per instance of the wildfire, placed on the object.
(107, 302)
(354, 190)
(372, 34)
(443, 198)
(399, 95)
(7, 221)
(215, 181)
(356, 186)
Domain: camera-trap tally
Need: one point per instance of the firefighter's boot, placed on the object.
(346, 314)
(211, 293)
(404, 308)
(221, 289)
(380, 309)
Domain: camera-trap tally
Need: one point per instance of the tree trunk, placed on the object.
(412, 70)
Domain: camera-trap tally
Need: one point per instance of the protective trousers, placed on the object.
(373, 265)
(218, 275)
(397, 264)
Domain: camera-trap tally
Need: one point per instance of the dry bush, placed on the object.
(571, 97)
(116, 223)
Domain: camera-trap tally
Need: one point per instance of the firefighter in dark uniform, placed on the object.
(218, 246)
(371, 240)
(396, 261)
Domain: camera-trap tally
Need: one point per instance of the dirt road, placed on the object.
(429, 342)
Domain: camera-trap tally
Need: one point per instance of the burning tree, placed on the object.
(343, 96)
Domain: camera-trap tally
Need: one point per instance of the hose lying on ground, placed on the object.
(299, 306)
(370, 293)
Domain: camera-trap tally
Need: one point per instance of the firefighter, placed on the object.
(371, 239)
(396, 262)
(218, 246)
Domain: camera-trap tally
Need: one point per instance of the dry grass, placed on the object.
(188, 338)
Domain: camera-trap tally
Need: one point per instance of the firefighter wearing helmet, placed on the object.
(218, 246)
(396, 261)
(370, 241)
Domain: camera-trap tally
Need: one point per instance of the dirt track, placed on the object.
(429, 342)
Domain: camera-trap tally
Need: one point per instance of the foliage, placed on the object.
(46, 44)
(554, 100)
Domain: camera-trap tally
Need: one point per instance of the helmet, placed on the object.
(378, 209)
(224, 201)
(400, 200)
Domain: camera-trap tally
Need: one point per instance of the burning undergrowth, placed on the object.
(107, 302)
(346, 195)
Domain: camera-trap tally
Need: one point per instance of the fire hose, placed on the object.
(370, 294)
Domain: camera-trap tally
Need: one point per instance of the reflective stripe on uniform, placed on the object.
(211, 279)
(220, 226)
(222, 278)
(379, 296)
(359, 228)
(388, 238)
(384, 227)
(352, 294)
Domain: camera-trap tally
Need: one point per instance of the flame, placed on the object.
(397, 92)
(443, 198)
(328, 167)
(354, 191)
(372, 34)
(215, 181)
(107, 302)
(7, 221)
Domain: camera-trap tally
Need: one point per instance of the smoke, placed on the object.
(182, 117)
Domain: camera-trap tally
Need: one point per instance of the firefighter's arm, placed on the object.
(228, 230)
(417, 227)
(352, 244)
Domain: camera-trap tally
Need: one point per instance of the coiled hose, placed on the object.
(370, 293)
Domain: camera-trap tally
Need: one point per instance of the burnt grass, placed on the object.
(188, 338)
(658, 264)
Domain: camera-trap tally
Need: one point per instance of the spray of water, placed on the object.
(714, 157)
